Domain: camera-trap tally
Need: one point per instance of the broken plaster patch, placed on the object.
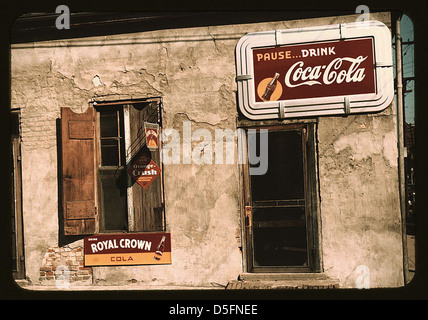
(389, 148)
(363, 144)
(366, 144)
(97, 81)
(210, 118)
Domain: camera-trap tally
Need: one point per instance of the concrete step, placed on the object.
(283, 281)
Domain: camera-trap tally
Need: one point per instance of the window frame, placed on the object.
(130, 212)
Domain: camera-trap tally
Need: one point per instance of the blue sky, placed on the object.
(408, 67)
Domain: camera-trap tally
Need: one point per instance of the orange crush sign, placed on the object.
(144, 170)
(127, 249)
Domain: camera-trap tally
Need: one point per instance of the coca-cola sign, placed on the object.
(315, 70)
(345, 70)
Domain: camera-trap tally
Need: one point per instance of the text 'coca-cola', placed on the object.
(325, 69)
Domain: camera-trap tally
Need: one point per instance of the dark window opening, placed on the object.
(112, 138)
(114, 199)
(111, 172)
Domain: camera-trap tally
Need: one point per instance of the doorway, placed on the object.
(281, 205)
(18, 265)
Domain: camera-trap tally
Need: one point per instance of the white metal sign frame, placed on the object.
(336, 105)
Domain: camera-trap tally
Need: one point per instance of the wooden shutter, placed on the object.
(147, 203)
(78, 174)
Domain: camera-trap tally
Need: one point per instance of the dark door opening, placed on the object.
(18, 265)
(281, 227)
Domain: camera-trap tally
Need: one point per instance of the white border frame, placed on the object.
(336, 105)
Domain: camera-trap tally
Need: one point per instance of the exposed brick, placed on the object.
(86, 268)
(82, 272)
(45, 268)
(60, 262)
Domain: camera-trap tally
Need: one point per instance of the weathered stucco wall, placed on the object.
(196, 81)
(360, 215)
(193, 71)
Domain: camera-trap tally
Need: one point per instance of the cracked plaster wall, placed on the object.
(193, 71)
(195, 79)
(360, 214)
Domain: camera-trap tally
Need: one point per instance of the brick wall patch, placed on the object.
(64, 265)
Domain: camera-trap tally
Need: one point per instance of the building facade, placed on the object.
(325, 213)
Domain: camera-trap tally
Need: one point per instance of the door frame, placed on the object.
(311, 199)
(18, 270)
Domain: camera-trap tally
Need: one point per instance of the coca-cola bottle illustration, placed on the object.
(160, 249)
(270, 88)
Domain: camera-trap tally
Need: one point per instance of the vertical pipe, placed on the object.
(400, 126)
